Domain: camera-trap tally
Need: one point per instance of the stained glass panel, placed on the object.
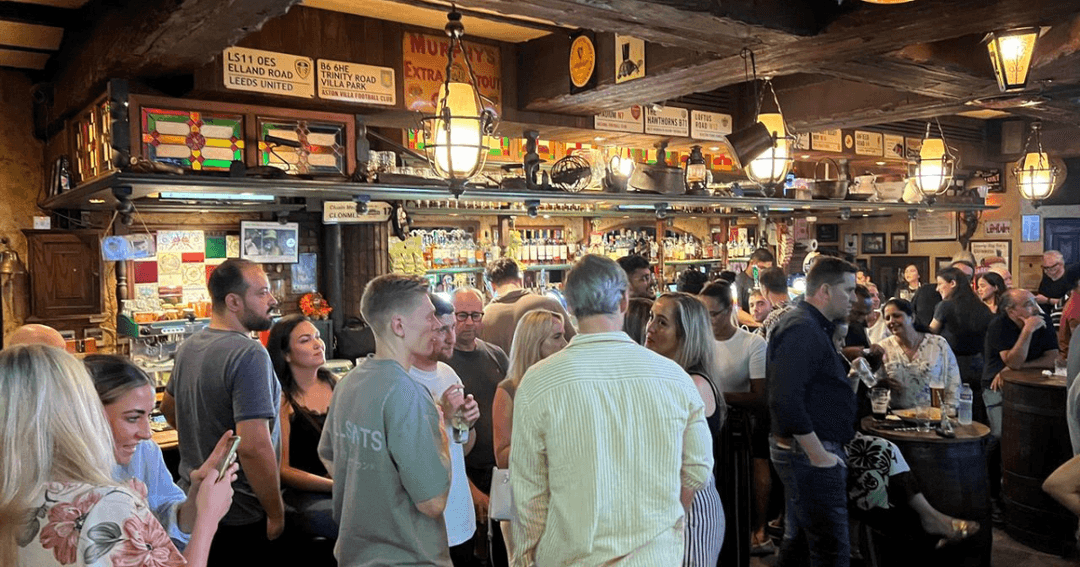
(321, 151)
(93, 141)
(199, 140)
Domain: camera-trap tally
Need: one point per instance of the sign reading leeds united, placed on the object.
(669, 121)
(709, 125)
(353, 82)
(269, 72)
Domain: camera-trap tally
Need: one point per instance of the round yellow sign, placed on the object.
(582, 61)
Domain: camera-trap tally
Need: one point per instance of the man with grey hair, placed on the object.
(574, 457)
(1057, 280)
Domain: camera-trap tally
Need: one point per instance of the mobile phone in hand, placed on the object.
(230, 457)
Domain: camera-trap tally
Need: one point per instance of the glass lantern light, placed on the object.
(771, 167)
(454, 135)
(696, 172)
(1010, 54)
(932, 171)
(1035, 175)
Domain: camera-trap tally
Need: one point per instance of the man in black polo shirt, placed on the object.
(1021, 336)
(813, 412)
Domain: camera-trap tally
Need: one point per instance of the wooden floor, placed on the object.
(1007, 553)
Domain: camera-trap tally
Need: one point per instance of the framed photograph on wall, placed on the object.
(851, 244)
(270, 242)
(898, 243)
(873, 243)
(827, 232)
(990, 252)
(941, 263)
(933, 226)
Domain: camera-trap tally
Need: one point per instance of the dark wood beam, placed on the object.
(139, 39)
(839, 103)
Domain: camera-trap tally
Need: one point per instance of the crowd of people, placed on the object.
(608, 419)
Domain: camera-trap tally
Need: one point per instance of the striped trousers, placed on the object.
(704, 528)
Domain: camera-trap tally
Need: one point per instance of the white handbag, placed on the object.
(501, 500)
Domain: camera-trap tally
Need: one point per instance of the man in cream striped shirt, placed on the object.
(609, 441)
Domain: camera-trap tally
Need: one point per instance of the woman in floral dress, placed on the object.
(58, 502)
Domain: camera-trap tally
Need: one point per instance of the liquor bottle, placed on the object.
(552, 249)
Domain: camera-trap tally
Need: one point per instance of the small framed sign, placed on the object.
(582, 61)
(934, 226)
(873, 243)
(270, 242)
(1031, 228)
(827, 232)
(898, 243)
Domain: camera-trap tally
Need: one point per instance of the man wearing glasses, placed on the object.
(481, 366)
(1058, 279)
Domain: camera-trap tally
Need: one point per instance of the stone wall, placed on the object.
(21, 174)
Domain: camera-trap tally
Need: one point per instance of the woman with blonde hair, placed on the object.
(58, 502)
(681, 330)
(539, 334)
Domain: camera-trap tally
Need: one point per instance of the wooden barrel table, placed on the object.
(1034, 442)
(952, 475)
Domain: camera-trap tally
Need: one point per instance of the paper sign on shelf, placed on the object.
(344, 212)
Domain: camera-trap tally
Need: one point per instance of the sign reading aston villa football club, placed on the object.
(626, 120)
(268, 72)
(353, 82)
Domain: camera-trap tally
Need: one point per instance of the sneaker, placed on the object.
(763, 549)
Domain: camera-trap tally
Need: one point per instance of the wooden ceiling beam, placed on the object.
(840, 103)
(151, 40)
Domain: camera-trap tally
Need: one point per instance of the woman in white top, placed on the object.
(916, 360)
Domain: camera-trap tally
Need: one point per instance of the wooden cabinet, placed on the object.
(65, 274)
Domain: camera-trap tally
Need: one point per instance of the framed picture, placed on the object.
(1030, 228)
(941, 263)
(933, 226)
(270, 242)
(304, 274)
(827, 232)
(851, 244)
(873, 243)
(898, 243)
(990, 252)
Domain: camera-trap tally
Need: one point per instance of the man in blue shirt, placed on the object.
(813, 412)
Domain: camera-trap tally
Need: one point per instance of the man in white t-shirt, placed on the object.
(446, 388)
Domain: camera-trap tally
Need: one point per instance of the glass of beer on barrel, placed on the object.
(879, 402)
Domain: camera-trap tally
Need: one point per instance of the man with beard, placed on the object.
(223, 379)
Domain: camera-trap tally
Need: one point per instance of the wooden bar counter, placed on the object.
(1034, 442)
(952, 475)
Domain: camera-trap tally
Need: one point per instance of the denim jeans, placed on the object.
(817, 512)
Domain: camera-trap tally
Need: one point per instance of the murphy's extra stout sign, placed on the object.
(268, 72)
(424, 65)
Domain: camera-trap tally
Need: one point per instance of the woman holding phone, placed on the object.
(298, 354)
(128, 396)
(59, 504)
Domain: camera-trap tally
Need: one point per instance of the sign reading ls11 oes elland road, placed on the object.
(269, 72)
(353, 82)
(424, 62)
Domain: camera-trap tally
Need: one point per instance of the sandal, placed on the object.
(961, 530)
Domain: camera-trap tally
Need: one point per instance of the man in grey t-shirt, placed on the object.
(383, 441)
(222, 380)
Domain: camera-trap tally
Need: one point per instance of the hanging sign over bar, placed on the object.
(868, 144)
(625, 120)
(344, 212)
(268, 72)
(827, 141)
(709, 125)
(424, 61)
(353, 82)
(668, 121)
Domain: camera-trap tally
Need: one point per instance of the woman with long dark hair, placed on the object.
(991, 286)
(962, 318)
(298, 354)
